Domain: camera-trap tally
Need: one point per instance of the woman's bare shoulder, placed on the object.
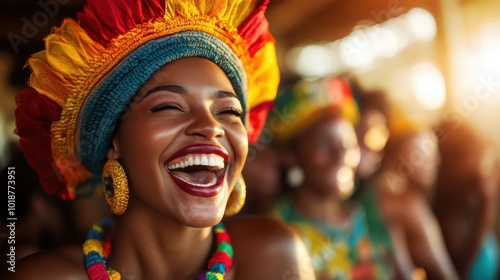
(259, 229)
(266, 248)
(59, 263)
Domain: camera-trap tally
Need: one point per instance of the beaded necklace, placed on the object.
(97, 248)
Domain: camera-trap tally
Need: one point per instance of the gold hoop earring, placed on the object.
(115, 186)
(236, 198)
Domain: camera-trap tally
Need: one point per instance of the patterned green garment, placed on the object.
(363, 251)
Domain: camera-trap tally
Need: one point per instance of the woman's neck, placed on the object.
(147, 245)
(333, 211)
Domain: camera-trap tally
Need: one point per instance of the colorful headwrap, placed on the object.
(91, 69)
(302, 104)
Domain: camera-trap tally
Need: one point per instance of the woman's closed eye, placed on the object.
(165, 106)
(232, 111)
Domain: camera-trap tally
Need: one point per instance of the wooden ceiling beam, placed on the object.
(285, 15)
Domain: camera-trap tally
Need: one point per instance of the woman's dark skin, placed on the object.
(467, 190)
(166, 233)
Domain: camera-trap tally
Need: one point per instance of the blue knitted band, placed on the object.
(109, 100)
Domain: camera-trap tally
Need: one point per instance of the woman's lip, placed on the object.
(200, 149)
(197, 190)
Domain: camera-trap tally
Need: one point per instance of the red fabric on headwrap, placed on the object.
(254, 30)
(339, 89)
(34, 116)
(257, 119)
(105, 20)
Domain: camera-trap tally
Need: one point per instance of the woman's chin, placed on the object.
(201, 218)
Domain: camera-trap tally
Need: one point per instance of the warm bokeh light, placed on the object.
(387, 43)
(311, 61)
(422, 24)
(488, 49)
(376, 137)
(345, 180)
(345, 175)
(428, 85)
(355, 49)
(361, 49)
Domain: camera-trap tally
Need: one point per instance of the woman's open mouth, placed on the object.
(199, 170)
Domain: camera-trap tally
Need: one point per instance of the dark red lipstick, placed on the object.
(195, 167)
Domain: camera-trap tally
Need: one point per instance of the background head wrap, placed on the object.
(300, 105)
(90, 70)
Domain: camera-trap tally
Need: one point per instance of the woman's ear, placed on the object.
(114, 150)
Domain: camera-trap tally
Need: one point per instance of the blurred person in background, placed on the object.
(404, 185)
(466, 197)
(372, 130)
(321, 153)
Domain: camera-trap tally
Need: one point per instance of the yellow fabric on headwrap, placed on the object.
(260, 89)
(68, 53)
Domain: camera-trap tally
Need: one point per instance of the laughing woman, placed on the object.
(157, 99)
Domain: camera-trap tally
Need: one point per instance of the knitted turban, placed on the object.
(304, 102)
(91, 69)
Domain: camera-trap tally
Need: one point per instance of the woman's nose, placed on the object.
(204, 124)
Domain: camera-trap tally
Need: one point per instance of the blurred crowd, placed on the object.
(374, 193)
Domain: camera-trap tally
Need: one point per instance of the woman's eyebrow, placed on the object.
(170, 88)
(225, 94)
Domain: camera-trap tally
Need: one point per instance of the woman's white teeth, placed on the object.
(204, 160)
